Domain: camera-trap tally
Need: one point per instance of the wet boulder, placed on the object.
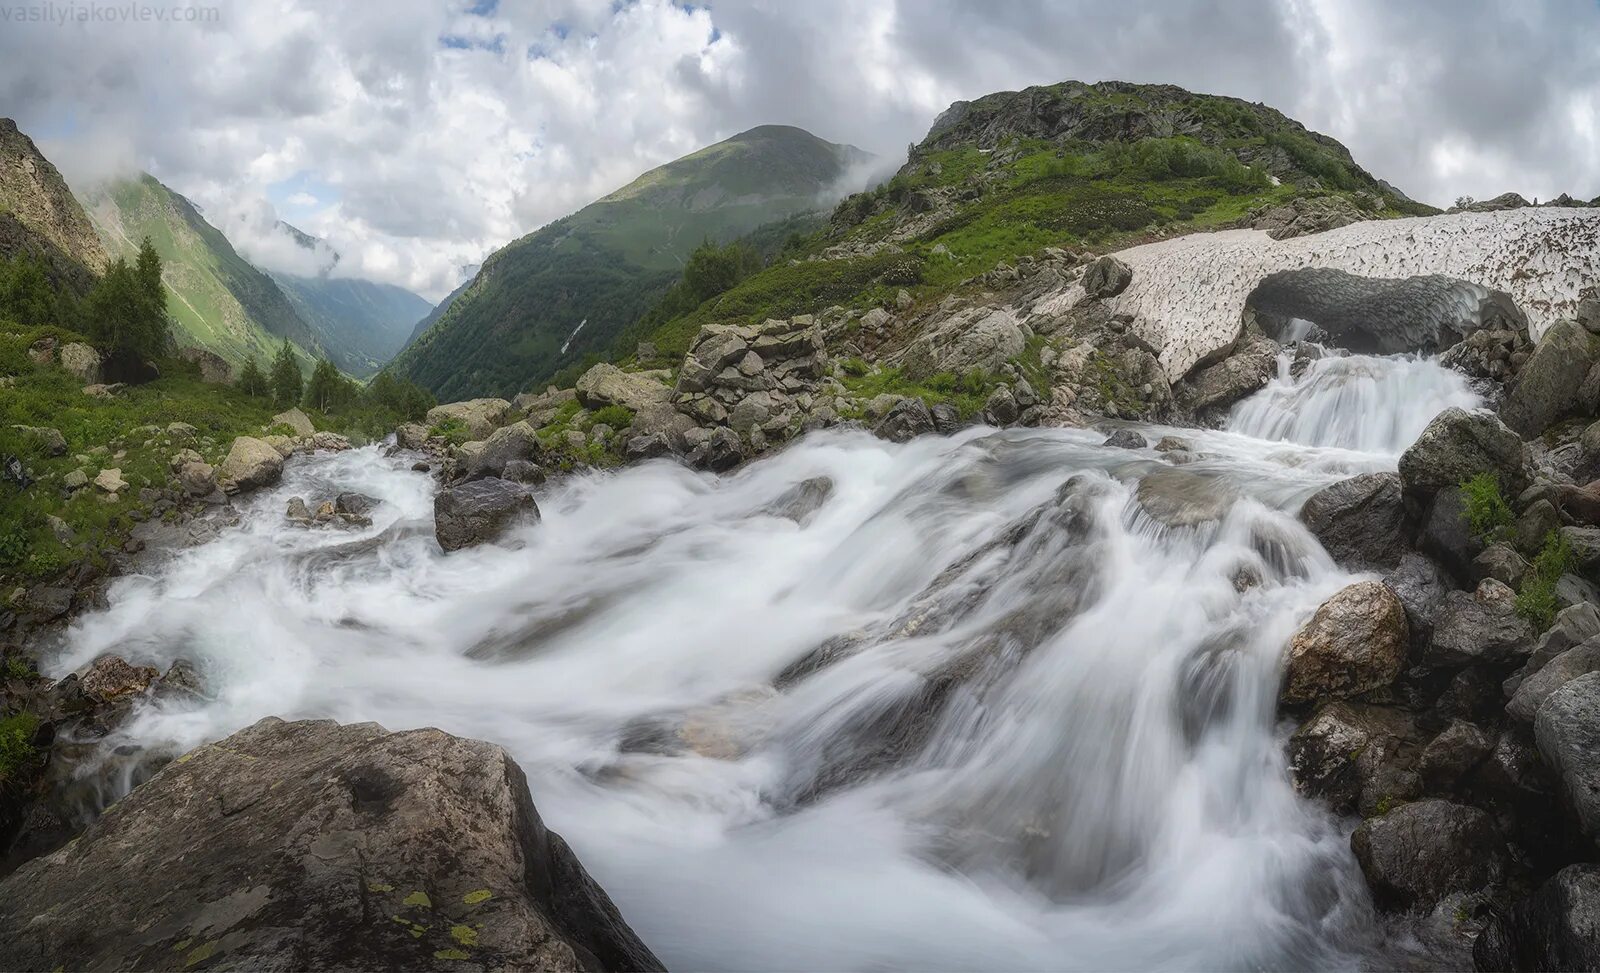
(1447, 537)
(1356, 756)
(311, 845)
(1555, 928)
(907, 419)
(1532, 691)
(1478, 627)
(251, 463)
(1421, 586)
(1361, 521)
(1548, 384)
(1126, 439)
(1356, 642)
(1567, 729)
(1418, 853)
(1459, 444)
(480, 512)
(1452, 755)
(1176, 497)
(505, 445)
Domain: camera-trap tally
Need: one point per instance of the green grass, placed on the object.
(17, 752)
(1536, 601)
(967, 393)
(1485, 509)
(452, 429)
(98, 429)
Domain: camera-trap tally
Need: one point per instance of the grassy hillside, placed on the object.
(361, 324)
(217, 299)
(566, 291)
(1070, 165)
(40, 217)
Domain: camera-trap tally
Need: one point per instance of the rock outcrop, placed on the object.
(1360, 521)
(480, 417)
(1549, 385)
(312, 845)
(1459, 444)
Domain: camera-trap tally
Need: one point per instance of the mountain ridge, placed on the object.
(607, 262)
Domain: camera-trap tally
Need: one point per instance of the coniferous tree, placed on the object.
(252, 381)
(328, 391)
(285, 376)
(126, 311)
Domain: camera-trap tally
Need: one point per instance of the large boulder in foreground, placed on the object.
(310, 845)
(251, 463)
(1360, 521)
(1356, 642)
(480, 511)
(480, 417)
(1418, 853)
(1549, 381)
(1458, 445)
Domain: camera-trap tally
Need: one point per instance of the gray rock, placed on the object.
(480, 511)
(411, 435)
(1354, 643)
(1447, 537)
(946, 418)
(1478, 627)
(1360, 521)
(652, 446)
(1356, 756)
(1533, 525)
(1213, 388)
(197, 479)
(1567, 729)
(296, 420)
(801, 501)
(82, 362)
(47, 440)
(480, 417)
(507, 444)
(1547, 387)
(1459, 444)
(606, 384)
(311, 845)
(905, 421)
(1556, 928)
(1453, 754)
(214, 369)
(981, 338)
(296, 512)
(1106, 277)
(1420, 852)
(522, 471)
(722, 451)
(1540, 685)
(1501, 562)
(1000, 408)
(251, 463)
(1126, 439)
(1176, 497)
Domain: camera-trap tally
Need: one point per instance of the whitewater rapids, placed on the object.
(972, 707)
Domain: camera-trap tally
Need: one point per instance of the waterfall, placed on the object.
(978, 701)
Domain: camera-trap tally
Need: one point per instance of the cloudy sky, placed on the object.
(418, 135)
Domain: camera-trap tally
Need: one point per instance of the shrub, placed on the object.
(17, 751)
(1486, 512)
(451, 429)
(615, 416)
(1536, 601)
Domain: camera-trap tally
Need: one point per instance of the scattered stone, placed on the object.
(75, 480)
(480, 511)
(297, 512)
(1531, 692)
(1451, 756)
(1501, 562)
(311, 845)
(1001, 407)
(1447, 537)
(180, 430)
(507, 444)
(198, 479)
(1418, 853)
(653, 446)
(411, 435)
(110, 481)
(49, 441)
(110, 678)
(517, 471)
(1356, 642)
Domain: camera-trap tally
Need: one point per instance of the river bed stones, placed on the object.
(480, 511)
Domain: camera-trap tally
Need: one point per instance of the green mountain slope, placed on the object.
(1070, 165)
(218, 300)
(39, 215)
(557, 295)
(438, 310)
(361, 324)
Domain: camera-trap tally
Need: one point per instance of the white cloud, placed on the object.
(433, 134)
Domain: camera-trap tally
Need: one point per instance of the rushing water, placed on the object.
(1040, 733)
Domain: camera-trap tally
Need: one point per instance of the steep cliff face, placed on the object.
(39, 215)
